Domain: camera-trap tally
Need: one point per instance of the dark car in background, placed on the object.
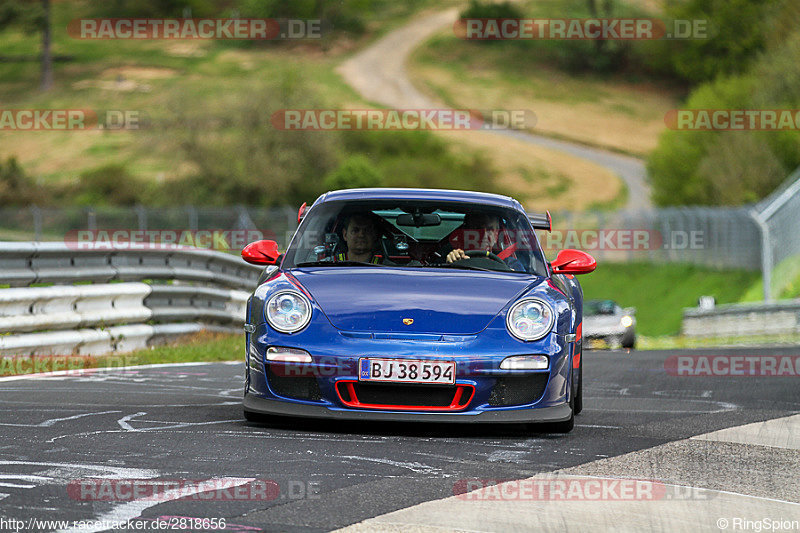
(607, 321)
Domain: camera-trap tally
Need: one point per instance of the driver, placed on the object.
(487, 229)
(361, 237)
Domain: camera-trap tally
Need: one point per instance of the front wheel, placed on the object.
(579, 393)
(254, 417)
(567, 425)
(629, 339)
(559, 427)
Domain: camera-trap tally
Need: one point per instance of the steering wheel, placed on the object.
(484, 253)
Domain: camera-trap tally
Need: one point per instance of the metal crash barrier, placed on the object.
(91, 301)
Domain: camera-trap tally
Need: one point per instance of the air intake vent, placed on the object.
(295, 387)
(518, 390)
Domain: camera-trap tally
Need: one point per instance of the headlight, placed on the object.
(288, 311)
(530, 319)
(626, 321)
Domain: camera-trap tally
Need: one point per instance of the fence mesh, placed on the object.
(763, 236)
(779, 217)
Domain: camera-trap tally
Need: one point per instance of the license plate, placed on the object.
(407, 371)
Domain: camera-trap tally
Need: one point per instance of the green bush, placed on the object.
(491, 10)
(239, 156)
(740, 168)
(107, 185)
(341, 16)
(733, 167)
(16, 187)
(155, 8)
(737, 31)
(577, 56)
(422, 159)
(356, 172)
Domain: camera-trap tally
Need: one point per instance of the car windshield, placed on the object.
(416, 234)
(599, 307)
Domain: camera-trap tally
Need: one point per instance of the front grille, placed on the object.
(433, 395)
(518, 390)
(296, 387)
(389, 395)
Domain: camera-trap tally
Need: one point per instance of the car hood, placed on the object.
(601, 322)
(439, 301)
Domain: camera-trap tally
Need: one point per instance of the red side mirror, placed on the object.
(261, 253)
(301, 213)
(573, 262)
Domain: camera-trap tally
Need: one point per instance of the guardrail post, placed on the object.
(193, 218)
(36, 213)
(766, 255)
(141, 217)
(91, 219)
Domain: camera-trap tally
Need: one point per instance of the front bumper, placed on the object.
(478, 358)
(255, 404)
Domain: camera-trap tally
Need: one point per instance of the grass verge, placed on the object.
(681, 342)
(661, 292)
(785, 282)
(203, 347)
(620, 114)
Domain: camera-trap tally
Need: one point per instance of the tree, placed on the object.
(737, 33)
(607, 11)
(17, 187)
(356, 172)
(47, 56)
(33, 16)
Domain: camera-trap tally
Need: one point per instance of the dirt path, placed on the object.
(379, 74)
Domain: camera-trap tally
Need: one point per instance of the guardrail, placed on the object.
(25, 263)
(113, 309)
(733, 320)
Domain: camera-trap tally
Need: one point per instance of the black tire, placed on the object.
(257, 418)
(578, 407)
(567, 425)
(558, 427)
(629, 339)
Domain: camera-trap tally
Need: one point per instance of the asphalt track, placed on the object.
(184, 423)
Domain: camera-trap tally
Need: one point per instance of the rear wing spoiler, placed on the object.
(541, 221)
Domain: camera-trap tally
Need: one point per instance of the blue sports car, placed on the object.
(416, 305)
